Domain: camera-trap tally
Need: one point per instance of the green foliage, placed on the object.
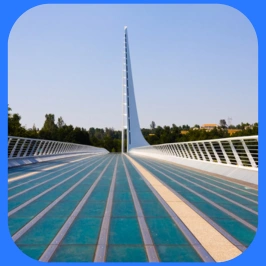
(110, 139)
(223, 123)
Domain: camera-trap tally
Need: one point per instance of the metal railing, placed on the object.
(25, 147)
(239, 151)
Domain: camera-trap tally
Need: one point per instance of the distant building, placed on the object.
(232, 131)
(208, 127)
(184, 132)
(249, 127)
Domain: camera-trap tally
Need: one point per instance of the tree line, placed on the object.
(110, 139)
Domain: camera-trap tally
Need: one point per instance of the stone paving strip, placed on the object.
(247, 224)
(204, 255)
(48, 253)
(219, 247)
(25, 228)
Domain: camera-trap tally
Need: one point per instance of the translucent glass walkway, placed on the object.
(121, 208)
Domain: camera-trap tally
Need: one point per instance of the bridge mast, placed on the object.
(134, 134)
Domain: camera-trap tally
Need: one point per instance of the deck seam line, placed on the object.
(29, 181)
(101, 249)
(218, 180)
(46, 191)
(197, 178)
(218, 253)
(209, 201)
(208, 219)
(207, 174)
(209, 190)
(147, 239)
(26, 227)
(37, 185)
(48, 253)
(202, 252)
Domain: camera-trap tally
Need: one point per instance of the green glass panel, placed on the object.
(153, 209)
(180, 253)
(165, 232)
(237, 230)
(122, 195)
(93, 208)
(123, 209)
(33, 251)
(74, 253)
(42, 232)
(145, 195)
(62, 209)
(117, 253)
(83, 231)
(124, 231)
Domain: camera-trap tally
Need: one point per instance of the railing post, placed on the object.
(51, 147)
(61, 147)
(192, 155)
(172, 151)
(215, 153)
(209, 155)
(25, 153)
(250, 157)
(57, 147)
(198, 158)
(47, 146)
(54, 148)
(14, 148)
(185, 146)
(33, 148)
(184, 150)
(224, 153)
(239, 162)
(37, 150)
(42, 148)
(202, 154)
(20, 150)
(178, 154)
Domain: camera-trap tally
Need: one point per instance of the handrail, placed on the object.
(238, 151)
(19, 147)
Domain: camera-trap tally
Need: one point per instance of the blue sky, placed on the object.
(192, 64)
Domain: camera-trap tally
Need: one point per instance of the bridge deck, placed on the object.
(120, 208)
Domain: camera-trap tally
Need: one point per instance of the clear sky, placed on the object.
(192, 64)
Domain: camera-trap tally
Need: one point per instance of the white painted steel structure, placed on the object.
(233, 157)
(134, 134)
(19, 148)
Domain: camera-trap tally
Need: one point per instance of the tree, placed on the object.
(49, 129)
(223, 123)
(153, 126)
(14, 126)
(60, 122)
